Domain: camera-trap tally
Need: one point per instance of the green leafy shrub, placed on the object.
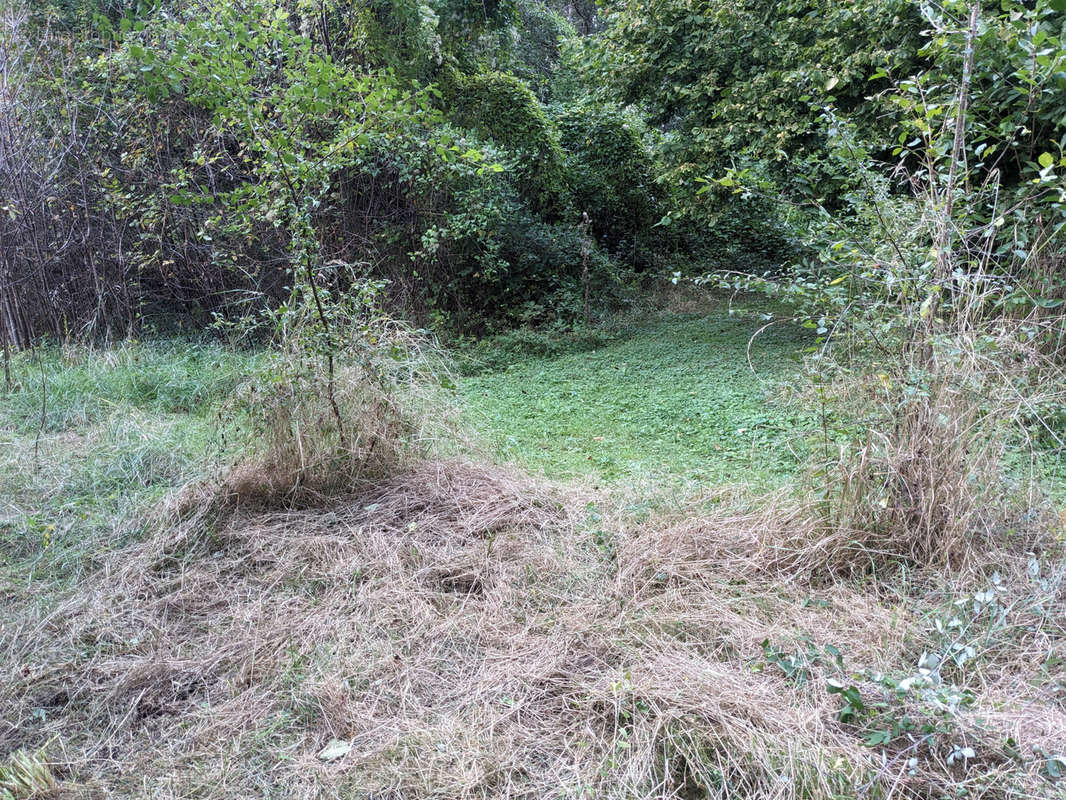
(564, 265)
(469, 247)
(744, 231)
(612, 176)
(340, 166)
(503, 109)
(532, 49)
(748, 78)
(247, 146)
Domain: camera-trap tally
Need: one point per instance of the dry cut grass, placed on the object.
(457, 631)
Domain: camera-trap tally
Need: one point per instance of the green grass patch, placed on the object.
(85, 386)
(122, 427)
(671, 398)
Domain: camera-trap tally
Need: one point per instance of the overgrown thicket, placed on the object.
(166, 163)
(489, 162)
(62, 261)
(746, 86)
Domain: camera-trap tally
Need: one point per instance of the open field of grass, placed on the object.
(468, 630)
(666, 400)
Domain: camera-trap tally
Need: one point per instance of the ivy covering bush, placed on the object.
(613, 176)
(503, 109)
(250, 147)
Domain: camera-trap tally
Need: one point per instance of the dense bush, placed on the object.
(62, 265)
(502, 108)
(531, 49)
(750, 76)
(745, 86)
(612, 176)
(248, 148)
(207, 156)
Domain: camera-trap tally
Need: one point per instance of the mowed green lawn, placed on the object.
(673, 398)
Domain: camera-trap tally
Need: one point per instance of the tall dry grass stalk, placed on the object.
(939, 464)
(952, 380)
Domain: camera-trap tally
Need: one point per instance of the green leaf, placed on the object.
(1056, 766)
(875, 738)
(927, 306)
(1046, 160)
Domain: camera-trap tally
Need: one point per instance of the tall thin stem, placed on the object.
(943, 245)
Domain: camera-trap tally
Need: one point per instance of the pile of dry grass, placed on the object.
(461, 634)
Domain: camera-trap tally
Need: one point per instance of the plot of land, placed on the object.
(465, 630)
(674, 398)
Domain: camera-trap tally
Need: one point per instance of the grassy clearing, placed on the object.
(455, 630)
(672, 398)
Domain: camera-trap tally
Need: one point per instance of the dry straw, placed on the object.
(457, 629)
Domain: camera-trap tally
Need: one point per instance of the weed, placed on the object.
(86, 385)
(114, 443)
(917, 464)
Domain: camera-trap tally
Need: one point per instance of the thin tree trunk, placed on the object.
(943, 245)
(943, 242)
